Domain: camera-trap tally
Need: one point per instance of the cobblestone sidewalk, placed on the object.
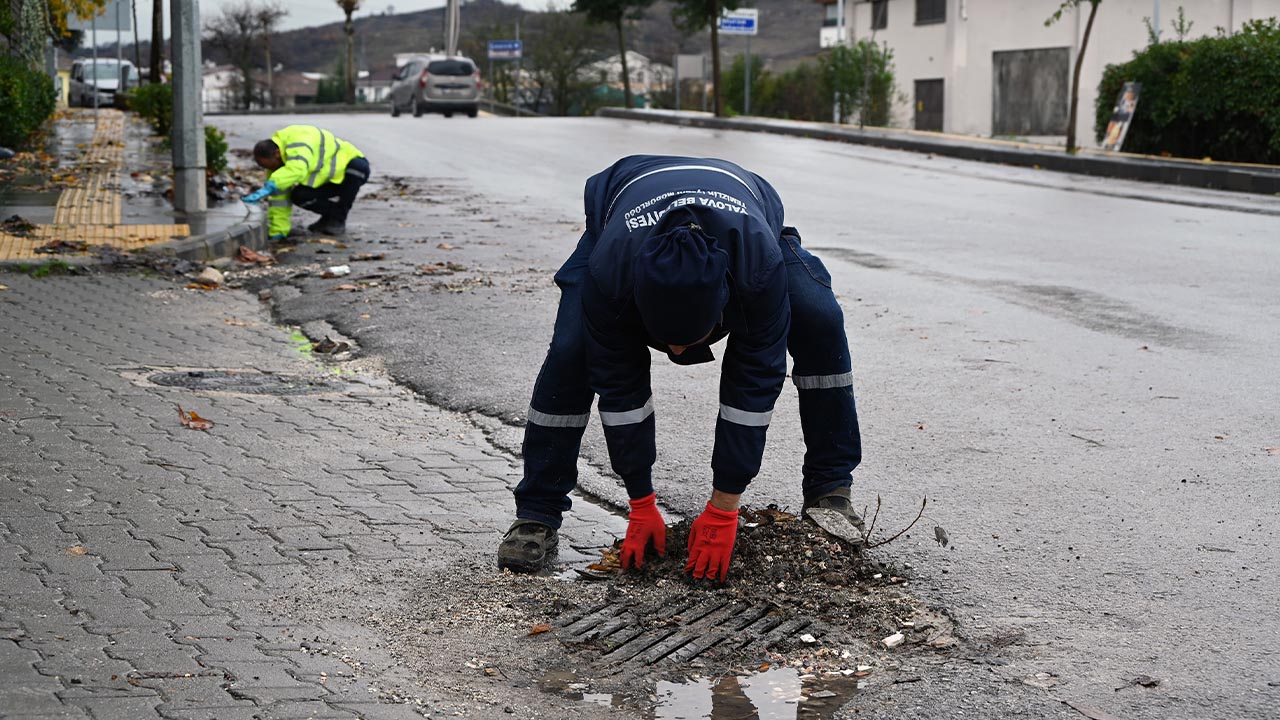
(139, 557)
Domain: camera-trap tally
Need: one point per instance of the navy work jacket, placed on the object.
(744, 213)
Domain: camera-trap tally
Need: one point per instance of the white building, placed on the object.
(992, 67)
(646, 75)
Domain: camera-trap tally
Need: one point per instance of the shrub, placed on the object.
(215, 149)
(154, 102)
(1213, 97)
(26, 101)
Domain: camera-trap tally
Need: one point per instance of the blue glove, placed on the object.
(257, 195)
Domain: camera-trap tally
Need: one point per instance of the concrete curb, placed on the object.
(1260, 179)
(250, 232)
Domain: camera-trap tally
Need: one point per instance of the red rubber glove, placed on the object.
(711, 543)
(645, 525)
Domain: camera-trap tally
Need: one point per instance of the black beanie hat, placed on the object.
(681, 284)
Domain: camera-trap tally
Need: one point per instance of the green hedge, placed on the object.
(1216, 97)
(26, 101)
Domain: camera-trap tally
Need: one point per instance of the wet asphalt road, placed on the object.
(1079, 374)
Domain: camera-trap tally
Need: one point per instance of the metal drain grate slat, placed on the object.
(762, 626)
(786, 629)
(582, 629)
(699, 645)
(665, 648)
(644, 642)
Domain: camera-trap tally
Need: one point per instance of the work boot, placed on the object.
(526, 546)
(328, 226)
(839, 501)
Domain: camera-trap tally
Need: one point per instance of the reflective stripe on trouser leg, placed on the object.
(627, 417)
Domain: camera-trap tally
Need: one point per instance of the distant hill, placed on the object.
(788, 33)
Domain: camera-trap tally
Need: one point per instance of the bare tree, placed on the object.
(695, 15)
(157, 42)
(349, 7)
(269, 16)
(235, 34)
(615, 13)
(1075, 76)
(560, 47)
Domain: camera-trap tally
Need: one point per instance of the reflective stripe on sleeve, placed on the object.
(558, 421)
(356, 173)
(822, 382)
(294, 145)
(296, 157)
(627, 417)
(279, 203)
(333, 159)
(743, 417)
(319, 161)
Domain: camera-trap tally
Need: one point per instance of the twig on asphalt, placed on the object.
(923, 503)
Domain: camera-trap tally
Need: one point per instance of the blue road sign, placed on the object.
(740, 22)
(506, 49)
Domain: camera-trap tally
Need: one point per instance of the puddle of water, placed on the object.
(780, 694)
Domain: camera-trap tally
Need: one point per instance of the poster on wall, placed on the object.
(1121, 117)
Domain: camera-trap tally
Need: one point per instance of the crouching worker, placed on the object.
(311, 168)
(678, 254)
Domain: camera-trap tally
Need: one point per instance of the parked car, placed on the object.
(436, 83)
(107, 77)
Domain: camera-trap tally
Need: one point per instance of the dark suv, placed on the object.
(437, 84)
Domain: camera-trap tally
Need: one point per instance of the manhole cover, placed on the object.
(682, 630)
(238, 382)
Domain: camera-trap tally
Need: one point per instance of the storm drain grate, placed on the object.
(681, 630)
(256, 383)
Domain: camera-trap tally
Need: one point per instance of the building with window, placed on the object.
(993, 68)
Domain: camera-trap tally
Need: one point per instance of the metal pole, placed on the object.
(677, 78)
(94, 29)
(120, 74)
(519, 65)
(746, 102)
(188, 116)
(1155, 18)
(840, 42)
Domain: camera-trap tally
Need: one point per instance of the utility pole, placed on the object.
(451, 28)
(188, 114)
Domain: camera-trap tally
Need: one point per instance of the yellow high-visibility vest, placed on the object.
(312, 157)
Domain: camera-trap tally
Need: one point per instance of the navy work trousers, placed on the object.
(821, 369)
(333, 201)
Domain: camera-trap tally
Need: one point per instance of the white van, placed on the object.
(107, 77)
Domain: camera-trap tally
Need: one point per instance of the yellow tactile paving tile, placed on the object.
(122, 237)
(91, 212)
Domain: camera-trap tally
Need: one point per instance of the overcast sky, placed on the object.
(302, 13)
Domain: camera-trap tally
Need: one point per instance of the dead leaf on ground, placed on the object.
(76, 550)
(3, 288)
(201, 286)
(193, 421)
(324, 241)
(250, 256)
(350, 287)
(609, 561)
(62, 246)
(447, 246)
(539, 629)
(238, 323)
(327, 346)
(368, 256)
(1270, 450)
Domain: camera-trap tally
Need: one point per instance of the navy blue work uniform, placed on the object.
(780, 301)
